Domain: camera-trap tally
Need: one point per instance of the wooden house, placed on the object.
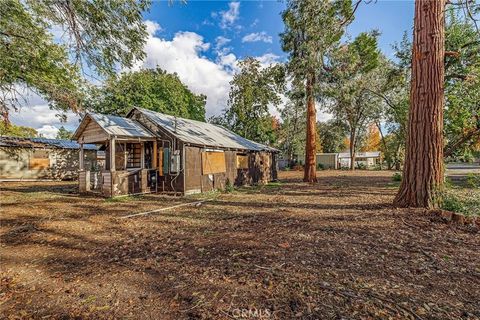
(41, 158)
(149, 151)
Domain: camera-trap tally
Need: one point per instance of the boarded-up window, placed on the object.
(39, 160)
(213, 162)
(242, 161)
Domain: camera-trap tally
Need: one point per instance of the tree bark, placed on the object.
(352, 149)
(384, 143)
(310, 173)
(423, 169)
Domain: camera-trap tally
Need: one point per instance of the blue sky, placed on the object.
(204, 18)
(202, 41)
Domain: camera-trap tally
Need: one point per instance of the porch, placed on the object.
(130, 165)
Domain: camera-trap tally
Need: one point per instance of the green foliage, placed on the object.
(11, 130)
(312, 27)
(229, 188)
(291, 134)
(356, 72)
(30, 58)
(332, 135)
(64, 134)
(152, 89)
(103, 35)
(253, 90)
(397, 176)
(457, 201)
(462, 87)
(473, 180)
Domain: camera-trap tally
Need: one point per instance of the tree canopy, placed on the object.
(101, 36)
(12, 130)
(253, 90)
(153, 89)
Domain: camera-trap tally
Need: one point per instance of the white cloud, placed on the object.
(257, 36)
(228, 18)
(45, 120)
(48, 131)
(184, 56)
(221, 42)
(152, 27)
(267, 59)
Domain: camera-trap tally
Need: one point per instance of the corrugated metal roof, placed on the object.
(201, 133)
(119, 126)
(41, 142)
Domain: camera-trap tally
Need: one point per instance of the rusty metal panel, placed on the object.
(213, 162)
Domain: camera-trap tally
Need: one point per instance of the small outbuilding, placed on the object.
(149, 151)
(342, 160)
(362, 159)
(41, 158)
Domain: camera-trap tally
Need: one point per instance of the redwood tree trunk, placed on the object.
(423, 170)
(310, 173)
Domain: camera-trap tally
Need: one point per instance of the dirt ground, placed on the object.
(334, 250)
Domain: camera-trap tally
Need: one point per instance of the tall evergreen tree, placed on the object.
(311, 28)
(423, 169)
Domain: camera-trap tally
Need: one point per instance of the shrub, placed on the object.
(473, 180)
(397, 176)
(320, 166)
(461, 202)
(361, 166)
(229, 187)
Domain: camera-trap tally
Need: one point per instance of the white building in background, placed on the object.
(342, 160)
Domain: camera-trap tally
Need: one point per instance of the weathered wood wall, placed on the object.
(20, 163)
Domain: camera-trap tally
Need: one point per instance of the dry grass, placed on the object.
(336, 249)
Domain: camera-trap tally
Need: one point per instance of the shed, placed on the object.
(365, 159)
(327, 160)
(41, 158)
(153, 152)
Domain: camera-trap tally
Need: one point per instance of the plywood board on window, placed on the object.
(38, 164)
(213, 162)
(242, 161)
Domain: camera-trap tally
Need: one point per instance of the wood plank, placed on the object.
(213, 162)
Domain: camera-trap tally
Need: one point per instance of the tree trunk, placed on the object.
(310, 173)
(352, 150)
(387, 154)
(423, 169)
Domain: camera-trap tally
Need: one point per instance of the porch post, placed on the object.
(112, 154)
(82, 175)
(154, 158)
(142, 155)
(81, 158)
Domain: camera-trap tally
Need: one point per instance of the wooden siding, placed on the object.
(92, 133)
